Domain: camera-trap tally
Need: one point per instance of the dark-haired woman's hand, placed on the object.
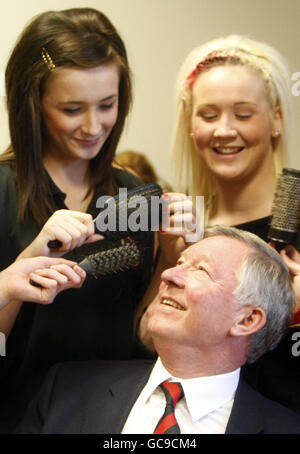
(51, 276)
(70, 228)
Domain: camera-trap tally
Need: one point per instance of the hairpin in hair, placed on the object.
(47, 59)
(211, 59)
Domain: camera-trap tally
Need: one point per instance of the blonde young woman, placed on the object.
(231, 140)
(232, 129)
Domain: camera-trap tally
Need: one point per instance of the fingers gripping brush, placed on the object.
(120, 208)
(120, 257)
(129, 253)
(123, 252)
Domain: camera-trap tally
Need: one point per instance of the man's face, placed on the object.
(195, 305)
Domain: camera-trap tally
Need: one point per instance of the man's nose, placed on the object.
(174, 276)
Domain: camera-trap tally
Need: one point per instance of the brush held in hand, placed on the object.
(286, 209)
(120, 209)
(121, 258)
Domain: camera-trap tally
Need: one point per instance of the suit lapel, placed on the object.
(246, 415)
(110, 407)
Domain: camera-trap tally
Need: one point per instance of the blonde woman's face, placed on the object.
(232, 122)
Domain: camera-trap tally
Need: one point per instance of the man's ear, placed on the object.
(251, 320)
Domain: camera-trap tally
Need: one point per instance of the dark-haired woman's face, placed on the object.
(79, 109)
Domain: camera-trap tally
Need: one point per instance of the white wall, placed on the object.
(158, 35)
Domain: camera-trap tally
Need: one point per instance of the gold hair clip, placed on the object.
(47, 59)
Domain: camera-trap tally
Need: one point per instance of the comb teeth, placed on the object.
(113, 260)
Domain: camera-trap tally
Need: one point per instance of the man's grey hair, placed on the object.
(264, 281)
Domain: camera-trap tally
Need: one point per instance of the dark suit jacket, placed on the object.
(95, 397)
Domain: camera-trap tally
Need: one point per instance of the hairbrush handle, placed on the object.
(54, 244)
(121, 208)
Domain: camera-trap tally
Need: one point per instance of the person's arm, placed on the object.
(52, 275)
(172, 242)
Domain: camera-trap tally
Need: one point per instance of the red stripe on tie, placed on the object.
(168, 421)
(174, 390)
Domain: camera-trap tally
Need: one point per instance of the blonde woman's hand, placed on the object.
(70, 228)
(180, 226)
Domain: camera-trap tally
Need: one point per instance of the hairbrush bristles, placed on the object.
(113, 260)
(286, 208)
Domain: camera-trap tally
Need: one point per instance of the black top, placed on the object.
(94, 322)
(261, 228)
(277, 373)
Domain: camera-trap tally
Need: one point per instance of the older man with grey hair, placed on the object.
(227, 301)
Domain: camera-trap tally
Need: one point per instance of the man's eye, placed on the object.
(201, 268)
(204, 271)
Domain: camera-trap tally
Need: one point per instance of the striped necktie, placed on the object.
(173, 393)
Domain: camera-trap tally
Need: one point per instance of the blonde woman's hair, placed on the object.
(191, 175)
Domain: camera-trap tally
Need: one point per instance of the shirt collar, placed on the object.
(203, 394)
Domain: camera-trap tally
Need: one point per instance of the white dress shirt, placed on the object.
(204, 409)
